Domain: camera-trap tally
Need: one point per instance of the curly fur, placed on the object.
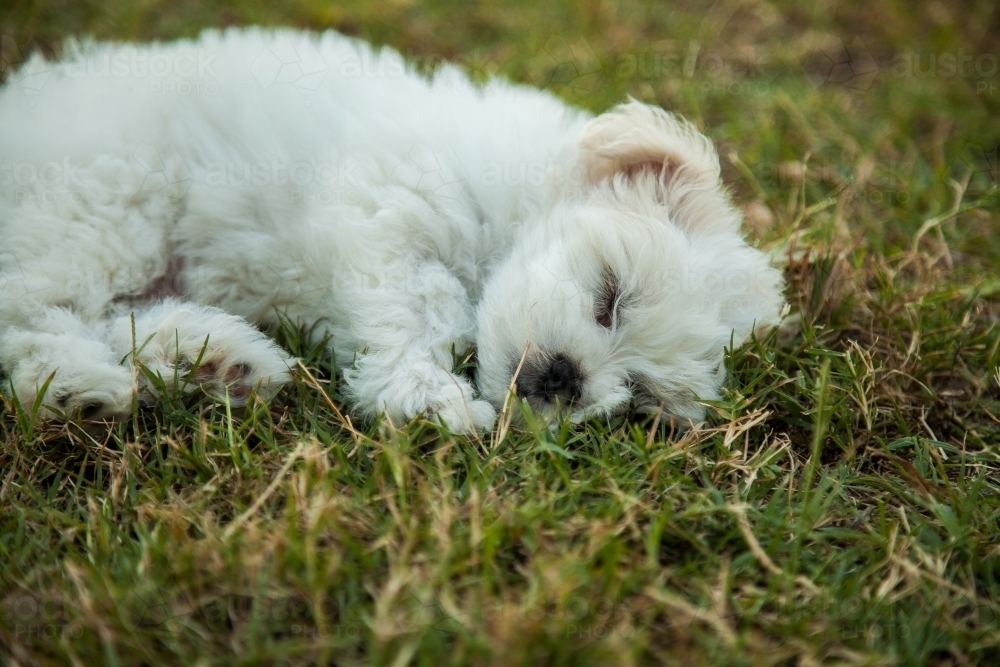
(159, 201)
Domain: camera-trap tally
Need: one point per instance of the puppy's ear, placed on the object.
(634, 137)
(663, 158)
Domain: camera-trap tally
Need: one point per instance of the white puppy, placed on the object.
(158, 201)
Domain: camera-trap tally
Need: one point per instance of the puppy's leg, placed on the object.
(407, 326)
(66, 252)
(87, 380)
(191, 346)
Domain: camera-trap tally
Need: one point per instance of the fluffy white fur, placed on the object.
(158, 201)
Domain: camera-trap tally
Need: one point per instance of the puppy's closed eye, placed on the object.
(608, 298)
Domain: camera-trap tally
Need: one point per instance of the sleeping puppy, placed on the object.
(160, 202)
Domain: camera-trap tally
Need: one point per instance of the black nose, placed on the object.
(561, 380)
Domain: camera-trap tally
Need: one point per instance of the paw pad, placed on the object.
(219, 378)
(91, 405)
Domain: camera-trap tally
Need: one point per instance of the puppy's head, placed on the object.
(628, 291)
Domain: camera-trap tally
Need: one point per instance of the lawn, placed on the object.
(841, 505)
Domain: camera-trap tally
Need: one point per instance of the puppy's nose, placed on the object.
(562, 380)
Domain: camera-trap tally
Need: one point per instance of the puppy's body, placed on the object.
(193, 187)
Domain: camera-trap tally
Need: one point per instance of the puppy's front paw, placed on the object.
(404, 390)
(191, 347)
(456, 409)
(229, 375)
(86, 383)
(103, 392)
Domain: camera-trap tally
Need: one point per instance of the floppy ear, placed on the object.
(653, 155)
(635, 136)
(634, 140)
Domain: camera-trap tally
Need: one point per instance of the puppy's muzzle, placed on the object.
(552, 379)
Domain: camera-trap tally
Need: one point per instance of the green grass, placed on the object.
(841, 505)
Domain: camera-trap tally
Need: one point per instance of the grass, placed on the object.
(840, 506)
